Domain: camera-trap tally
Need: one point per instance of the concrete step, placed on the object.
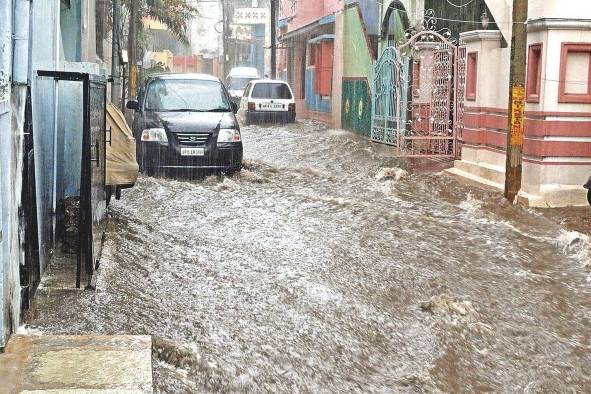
(481, 172)
(77, 364)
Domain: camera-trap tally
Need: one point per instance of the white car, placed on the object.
(238, 79)
(268, 100)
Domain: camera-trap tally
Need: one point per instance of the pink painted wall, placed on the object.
(309, 11)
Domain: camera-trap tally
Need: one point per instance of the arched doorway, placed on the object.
(394, 24)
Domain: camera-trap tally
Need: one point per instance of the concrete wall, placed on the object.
(5, 113)
(338, 69)
(70, 22)
(12, 99)
(44, 55)
(557, 143)
(573, 9)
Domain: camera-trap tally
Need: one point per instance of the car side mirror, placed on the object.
(234, 107)
(133, 105)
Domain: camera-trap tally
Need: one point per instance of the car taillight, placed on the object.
(252, 107)
(292, 107)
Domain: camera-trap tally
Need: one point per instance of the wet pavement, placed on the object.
(327, 265)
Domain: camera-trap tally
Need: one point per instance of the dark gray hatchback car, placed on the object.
(186, 122)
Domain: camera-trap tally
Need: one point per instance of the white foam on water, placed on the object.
(28, 331)
(470, 204)
(228, 185)
(394, 173)
(575, 245)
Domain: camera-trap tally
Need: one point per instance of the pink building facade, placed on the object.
(310, 58)
(557, 143)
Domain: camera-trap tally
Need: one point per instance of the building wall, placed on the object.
(557, 144)
(309, 11)
(44, 52)
(357, 73)
(70, 20)
(5, 114)
(573, 9)
(164, 57)
(12, 99)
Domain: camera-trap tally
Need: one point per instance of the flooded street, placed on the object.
(327, 265)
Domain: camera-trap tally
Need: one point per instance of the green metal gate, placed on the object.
(418, 96)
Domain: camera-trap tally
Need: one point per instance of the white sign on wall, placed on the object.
(251, 16)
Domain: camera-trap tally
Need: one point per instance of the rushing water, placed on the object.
(327, 265)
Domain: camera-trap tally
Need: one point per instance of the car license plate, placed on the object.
(192, 151)
(272, 106)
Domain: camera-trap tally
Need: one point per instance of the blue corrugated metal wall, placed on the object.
(314, 101)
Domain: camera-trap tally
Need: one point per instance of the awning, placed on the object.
(322, 37)
(310, 27)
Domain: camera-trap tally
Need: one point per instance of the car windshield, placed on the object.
(237, 83)
(278, 91)
(186, 95)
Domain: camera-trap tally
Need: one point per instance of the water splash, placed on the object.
(575, 245)
(471, 204)
(452, 309)
(395, 174)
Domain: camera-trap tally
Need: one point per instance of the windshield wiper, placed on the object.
(219, 110)
(184, 110)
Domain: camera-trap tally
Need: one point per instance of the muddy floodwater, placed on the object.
(330, 266)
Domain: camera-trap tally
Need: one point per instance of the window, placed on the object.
(238, 83)
(324, 54)
(472, 76)
(186, 96)
(534, 73)
(247, 90)
(277, 91)
(575, 73)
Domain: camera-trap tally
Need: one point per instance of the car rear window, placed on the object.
(279, 91)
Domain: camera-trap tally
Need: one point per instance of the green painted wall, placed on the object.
(357, 71)
(356, 54)
(356, 111)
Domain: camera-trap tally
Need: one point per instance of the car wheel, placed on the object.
(233, 170)
(109, 194)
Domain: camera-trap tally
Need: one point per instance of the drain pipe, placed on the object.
(6, 264)
(20, 62)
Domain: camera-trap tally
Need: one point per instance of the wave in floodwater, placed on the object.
(328, 265)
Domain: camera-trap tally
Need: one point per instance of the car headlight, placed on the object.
(154, 135)
(229, 135)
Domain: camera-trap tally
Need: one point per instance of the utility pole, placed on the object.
(274, 39)
(225, 37)
(516, 122)
(132, 50)
(115, 60)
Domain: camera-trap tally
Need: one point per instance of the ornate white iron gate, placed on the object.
(418, 96)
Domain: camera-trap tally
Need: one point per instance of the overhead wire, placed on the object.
(379, 2)
(459, 6)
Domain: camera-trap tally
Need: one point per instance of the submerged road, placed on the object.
(326, 267)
